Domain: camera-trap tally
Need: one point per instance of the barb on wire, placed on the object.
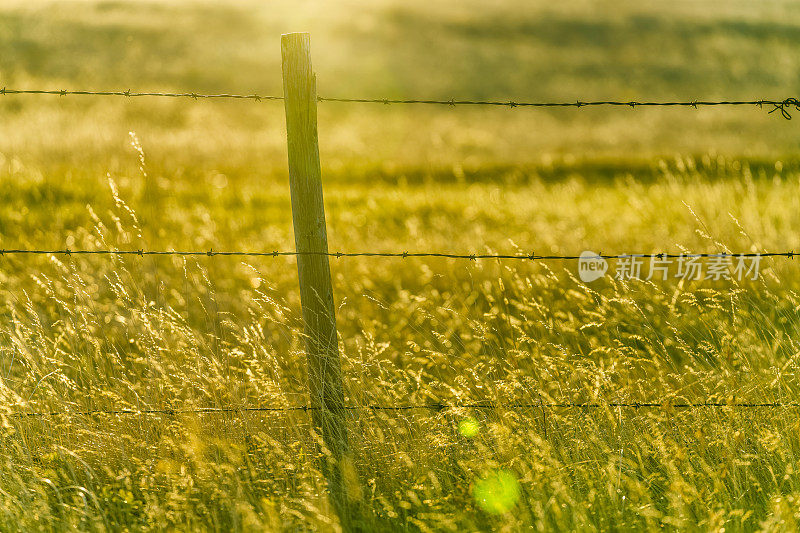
(402, 255)
(783, 106)
(423, 407)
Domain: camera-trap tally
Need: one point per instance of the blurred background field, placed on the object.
(94, 333)
(505, 50)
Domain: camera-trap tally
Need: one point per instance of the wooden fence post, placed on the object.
(316, 292)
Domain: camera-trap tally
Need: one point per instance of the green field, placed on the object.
(86, 333)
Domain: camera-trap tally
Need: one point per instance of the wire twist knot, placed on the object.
(785, 106)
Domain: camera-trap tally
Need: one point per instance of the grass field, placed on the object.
(83, 333)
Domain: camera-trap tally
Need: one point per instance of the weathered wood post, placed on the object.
(316, 292)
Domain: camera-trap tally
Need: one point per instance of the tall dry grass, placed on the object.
(83, 333)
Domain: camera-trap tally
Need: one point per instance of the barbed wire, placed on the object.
(782, 106)
(136, 94)
(402, 255)
(426, 407)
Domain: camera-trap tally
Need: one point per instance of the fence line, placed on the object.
(783, 106)
(402, 255)
(135, 94)
(325, 387)
(426, 407)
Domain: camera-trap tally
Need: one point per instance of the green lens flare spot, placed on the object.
(469, 427)
(497, 492)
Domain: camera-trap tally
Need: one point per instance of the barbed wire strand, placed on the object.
(782, 106)
(137, 94)
(428, 407)
(402, 255)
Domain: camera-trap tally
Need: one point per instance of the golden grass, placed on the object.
(87, 333)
